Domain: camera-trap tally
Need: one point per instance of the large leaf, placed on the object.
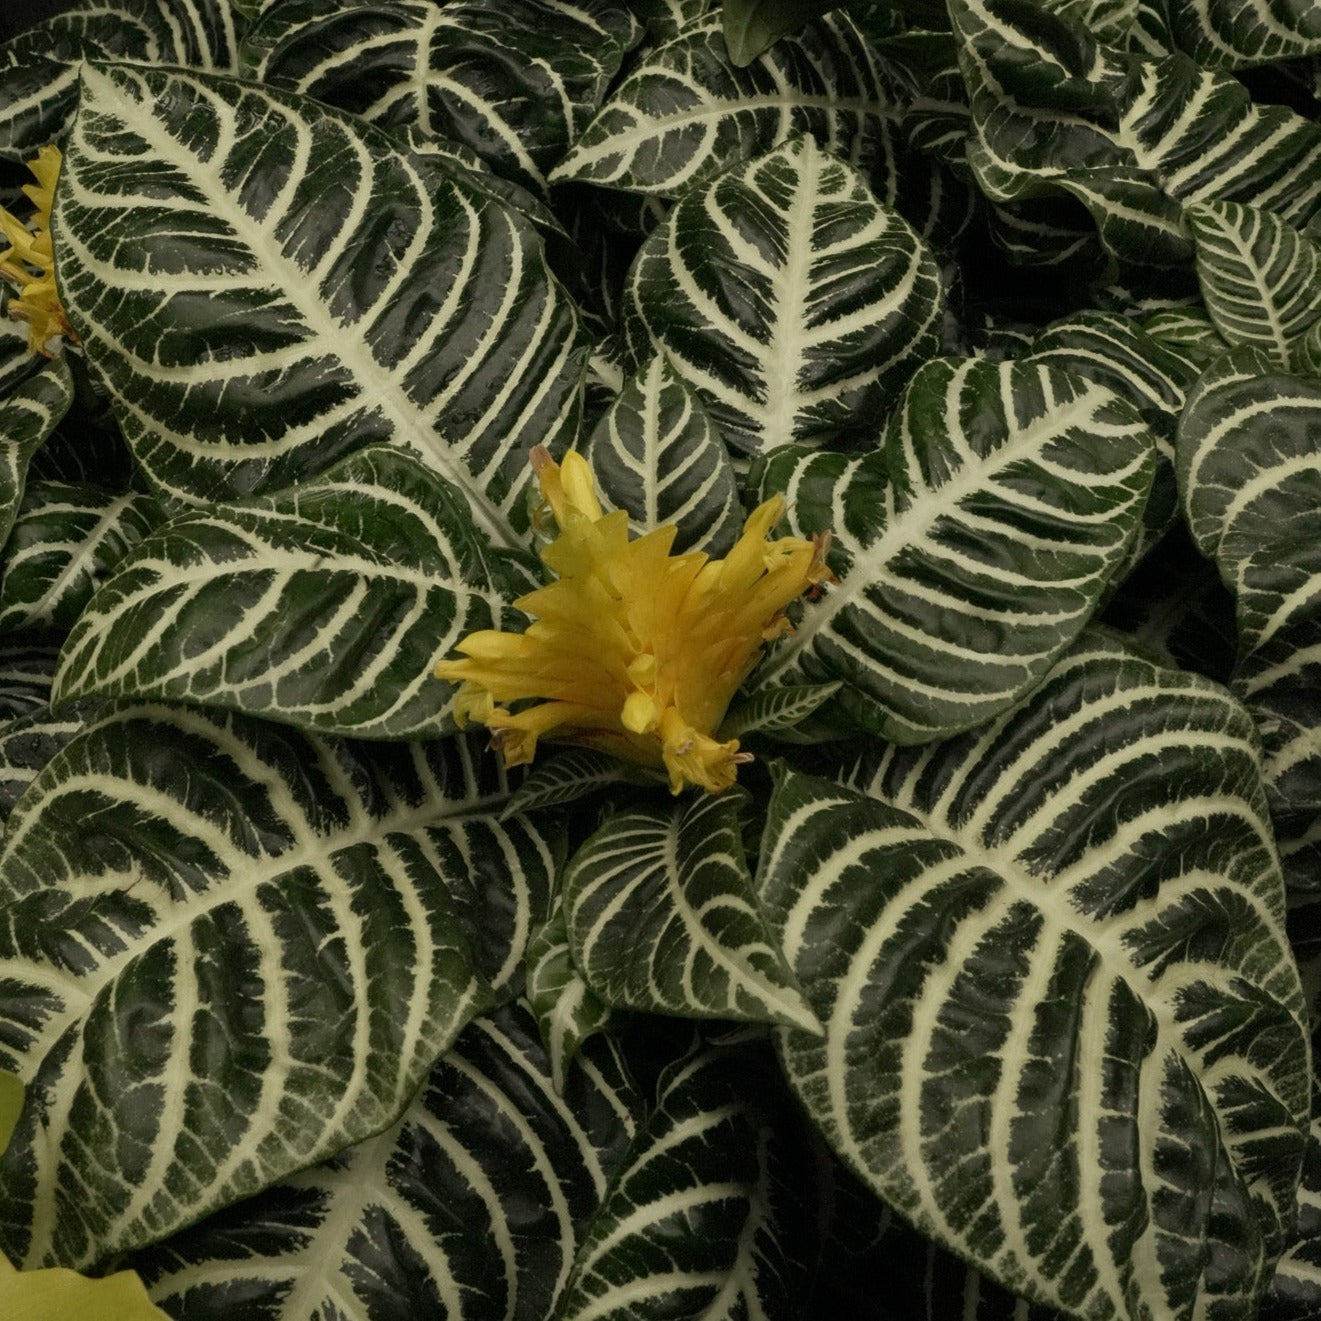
(326, 607)
(1250, 476)
(1260, 277)
(706, 1214)
(28, 414)
(970, 549)
(656, 453)
(67, 538)
(685, 113)
(472, 1205)
(1132, 138)
(788, 296)
(254, 332)
(1064, 1028)
(39, 69)
(661, 916)
(1234, 34)
(517, 82)
(228, 952)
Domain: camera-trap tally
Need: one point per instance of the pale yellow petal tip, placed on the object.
(28, 264)
(55, 1293)
(632, 649)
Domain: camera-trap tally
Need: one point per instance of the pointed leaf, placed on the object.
(471, 1205)
(685, 113)
(67, 539)
(970, 551)
(656, 453)
(661, 917)
(1236, 34)
(28, 414)
(1260, 277)
(229, 951)
(1064, 1029)
(788, 296)
(776, 710)
(567, 1010)
(565, 777)
(705, 1218)
(368, 294)
(327, 607)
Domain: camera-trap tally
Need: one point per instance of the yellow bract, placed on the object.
(632, 649)
(29, 262)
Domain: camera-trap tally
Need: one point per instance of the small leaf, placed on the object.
(661, 917)
(564, 778)
(752, 27)
(776, 710)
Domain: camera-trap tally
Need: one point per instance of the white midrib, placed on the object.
(378, 386)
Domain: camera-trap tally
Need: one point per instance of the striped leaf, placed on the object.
(325, 607)
(1260, 277)
(516, 82)
(565, 777)
(661, 916)
(228, 952)
(17, 362)
(685, 113)
(1130, 137)
(30, 740)
(776, 710)
(656, 453)
(567, 1010)
(471, 1205)
(28, 414)
(66, 540)
(970, 549)
(1064, 1029)
(1250, 476)
(1188, 332)
(1236, 34)
(706, 1215)
(26, 670)
(39, 69)
(1295, 1292)
(789, 297)
(368, 295)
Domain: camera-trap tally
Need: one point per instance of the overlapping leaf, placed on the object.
(970, 550)
(661, 916)
(656, 453)
(228, 952)
(788, 297)
(1235, 34)
(326, 607)
(516, 83)
(471, 1205)
(29, 412)
(267, 284)
(66, 540)
(1260, 278)
(1250, 477)
(1130, 137)
(685, 113)
(1295, 1292)
(706, 1215)
(39, 69)
(1064, 1029)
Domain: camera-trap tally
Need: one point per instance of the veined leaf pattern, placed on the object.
(706, 1214)
(229, 951)
(657, 454)
(1250, 476)
(1235, 34)
(359, 294)
(1064, 1029)
(685, 113)
(1260, 277)
(472, 1204)
(326, 606)
(661, 916)
(28, 414)
(67, 538)
(970, 550)
(39, 68)
(516, 83)
(1132, 138)
(787, 296)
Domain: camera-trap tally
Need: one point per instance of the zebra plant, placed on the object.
(661, 660)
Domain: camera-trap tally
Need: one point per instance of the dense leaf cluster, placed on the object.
(991, 989)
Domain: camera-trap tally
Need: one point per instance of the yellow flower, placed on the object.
(632, 649)
(29, 262)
